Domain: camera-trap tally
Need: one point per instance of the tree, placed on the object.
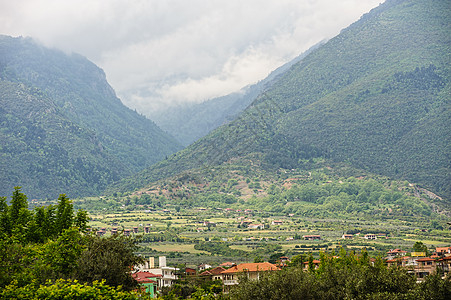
(109, 258)
(19, 214)
(81, 220)
(66, 289)
(258, 259)
(420, 247)
(59, 258)
(64, 213)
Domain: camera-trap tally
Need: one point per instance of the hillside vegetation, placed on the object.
(376, 97)
(62, 126)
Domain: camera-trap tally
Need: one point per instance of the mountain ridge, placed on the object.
(110, 139)
(353, 99)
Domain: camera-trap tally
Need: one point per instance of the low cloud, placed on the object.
(160, 53)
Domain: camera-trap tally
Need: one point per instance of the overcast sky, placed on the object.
(161, 52)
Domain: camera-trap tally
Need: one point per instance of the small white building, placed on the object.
(370, 236)
(168, 274)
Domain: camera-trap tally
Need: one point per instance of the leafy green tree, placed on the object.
(59, 258)
(4, 218)
(420, 247)
(64, 213)
(109, 258)
(258, 259)
(81, 220)
(19, 215)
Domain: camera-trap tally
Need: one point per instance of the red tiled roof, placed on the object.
(144, 277)
(251, 267)
(426, 259)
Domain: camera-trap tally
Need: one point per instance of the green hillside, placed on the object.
(376, 96)
(63, 129)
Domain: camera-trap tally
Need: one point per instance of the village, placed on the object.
(153, 279)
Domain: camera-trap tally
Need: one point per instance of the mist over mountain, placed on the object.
(63, 129)
(376, 96)
(190, 122)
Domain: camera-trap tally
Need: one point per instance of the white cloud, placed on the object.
(160, 52)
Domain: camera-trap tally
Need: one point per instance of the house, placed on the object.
(370, 236)
(312, 237)
(251, 270)
(283, 261)
(168, 274)
(402, 261)
(202, 267)
(443, 251)
(445, 264)
(347, 236)
(227, 264)
(256, 226)
(315, 264)
(213, 274)
(395, 253)
(190, 271)
(425, 267)
(148, 282)
(245, 223)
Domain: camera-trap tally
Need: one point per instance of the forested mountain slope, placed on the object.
(376, 96)
(190, 122)
(63, 128)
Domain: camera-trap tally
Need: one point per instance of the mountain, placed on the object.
(63, 129)
(190, 122)
(376, 96)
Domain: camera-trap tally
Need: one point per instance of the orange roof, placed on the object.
(215, 271)
(251, 267)
(426, 259)
(227, 264)
(441, 249)
(315, 261)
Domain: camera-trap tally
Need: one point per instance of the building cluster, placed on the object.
(419, 263)
(153, 278)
